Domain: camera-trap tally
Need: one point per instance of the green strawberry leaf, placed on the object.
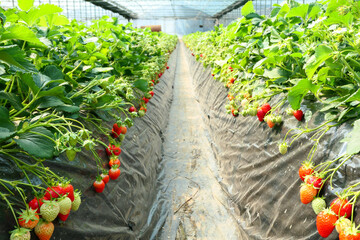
(53, 72)
(32, 16)
(5, 121)
(352, 139)
(68, 108)
(141, 84)
(300, 11)
(13, 56)
(297, 93)
(322, 53)
(247, 9)
(14, 99)
(37, 142)
(25, 4)
(22, 33)
(5, 133)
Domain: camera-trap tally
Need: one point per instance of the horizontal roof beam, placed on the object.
(115, 8)
(231, 7)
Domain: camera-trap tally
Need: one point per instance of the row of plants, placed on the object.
(304, 61)
(61, 83)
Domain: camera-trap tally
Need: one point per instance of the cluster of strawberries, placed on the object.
(336, 216)
(40, 212)
(143, 109)
(113, 151)
(118, 132)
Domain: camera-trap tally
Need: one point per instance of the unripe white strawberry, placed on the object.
(318, 205)
(77, 201)
(20, 234)
(283, 148)
(49, 210)
(65, 205)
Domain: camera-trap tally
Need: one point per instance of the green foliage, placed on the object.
(353, 146)
(247, 8)
(37, 142)
(302, 50)
(59, 79)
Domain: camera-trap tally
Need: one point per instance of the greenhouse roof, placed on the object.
(149, 9)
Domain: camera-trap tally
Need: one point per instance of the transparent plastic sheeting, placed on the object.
(263, 184)
(122, 209)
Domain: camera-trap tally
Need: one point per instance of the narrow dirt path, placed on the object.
(196, 207)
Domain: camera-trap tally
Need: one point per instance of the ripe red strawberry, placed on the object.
(114, 161)
(28, 218)
(260, 114)
(305, 169)
(212, 74)
(123, 130)
(63, 217)
(44, 230)
(151, 93)
(193, 54)
(298, 114)
(153, 81)
(109, 150)
(167, 67)
(114, 172)
(105, 176)
(20, 234)
(266, 108)
(146, 100)
(53, 192)
(114, 134)
(325, 222)
(132, 109)
(68, 190)
(314, 180)
(116, 150)
(36, 204)
(116, 128)
(99, 184)
(340, 206)
(201, 55)
(49, 210)
(231, 69)
(307, 193)
(112, 149)
(232, 80)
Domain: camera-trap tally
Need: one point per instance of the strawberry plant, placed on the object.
(58, 80)
(301, 55)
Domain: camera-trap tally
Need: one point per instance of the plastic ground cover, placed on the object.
(121, 211)
(263, 184)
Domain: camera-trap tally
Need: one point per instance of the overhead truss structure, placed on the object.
(178, 9)
(115, 7)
